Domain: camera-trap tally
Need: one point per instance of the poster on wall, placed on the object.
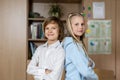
(99, 36)
(99, 45)
(98, 10)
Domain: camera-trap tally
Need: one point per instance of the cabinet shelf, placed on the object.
(42, 19)
(37, 40)
(36, 19)
(57, 1)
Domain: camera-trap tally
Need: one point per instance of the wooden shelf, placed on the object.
(57, 1)
(42, 19)
(37, 40)
(36, 19)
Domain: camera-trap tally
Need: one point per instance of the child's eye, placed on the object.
(54, 28)
(77, 24)
(46, 28)
(82, 24)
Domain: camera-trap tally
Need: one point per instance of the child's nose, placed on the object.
(80, 26)
(50, 30)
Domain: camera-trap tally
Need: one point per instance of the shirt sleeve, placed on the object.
(56, 73)
(33, 68)
(78, 58)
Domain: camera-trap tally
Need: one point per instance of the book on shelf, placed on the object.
(33, 47)
(36, 30)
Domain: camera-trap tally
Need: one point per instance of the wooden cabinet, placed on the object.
(13, 23)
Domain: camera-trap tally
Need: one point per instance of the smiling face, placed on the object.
(78, 26)
(52, 32)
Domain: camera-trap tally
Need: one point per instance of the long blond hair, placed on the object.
(69, 28)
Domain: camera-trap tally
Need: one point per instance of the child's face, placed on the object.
(78, 25)
(52, 32)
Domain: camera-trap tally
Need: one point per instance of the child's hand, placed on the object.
(47, 71)
(90, 63)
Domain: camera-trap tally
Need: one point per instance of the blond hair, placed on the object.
(69, 27)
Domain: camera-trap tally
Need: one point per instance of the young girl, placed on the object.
(48, 61)
(78, 65)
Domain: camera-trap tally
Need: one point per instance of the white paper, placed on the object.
(99, 37)
(98, 10)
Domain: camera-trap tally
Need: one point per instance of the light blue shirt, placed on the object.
(76, 62)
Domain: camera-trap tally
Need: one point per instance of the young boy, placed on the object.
(48, 61)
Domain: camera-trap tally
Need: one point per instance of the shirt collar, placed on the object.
(52, 45)
(69, 40)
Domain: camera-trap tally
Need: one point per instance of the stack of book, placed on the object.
(36, 30)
